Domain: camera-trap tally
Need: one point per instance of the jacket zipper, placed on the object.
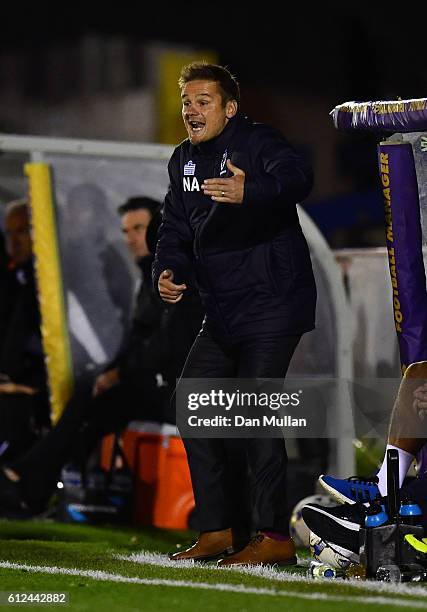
(198, 256)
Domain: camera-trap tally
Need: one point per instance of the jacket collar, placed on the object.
(220, 142)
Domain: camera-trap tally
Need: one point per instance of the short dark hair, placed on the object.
(212, 72)
(138, 202)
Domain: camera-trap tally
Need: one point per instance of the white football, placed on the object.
(331, 554)
(298, 530)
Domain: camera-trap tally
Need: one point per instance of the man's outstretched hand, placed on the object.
(226, 190)
(169, 292)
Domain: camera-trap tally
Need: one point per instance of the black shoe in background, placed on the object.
(339, 525)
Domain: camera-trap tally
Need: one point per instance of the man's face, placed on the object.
(203, 111)
(19, 245)
(134, 228)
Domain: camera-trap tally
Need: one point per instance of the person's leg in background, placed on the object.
(406, 424)
(82, 425)
(17, 424)
(31, 477)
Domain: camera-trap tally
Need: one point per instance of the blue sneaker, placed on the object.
(351, 490)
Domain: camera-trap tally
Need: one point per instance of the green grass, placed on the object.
(95, 548)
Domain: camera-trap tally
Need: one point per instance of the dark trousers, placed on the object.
(239, 481)
(18, 424)
(82, 425)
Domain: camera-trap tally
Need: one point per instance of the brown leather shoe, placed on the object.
(263, 550)
(211, 545)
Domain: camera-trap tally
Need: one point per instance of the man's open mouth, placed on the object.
(196, 126)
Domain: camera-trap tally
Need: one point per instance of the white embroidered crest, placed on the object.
(189, 169)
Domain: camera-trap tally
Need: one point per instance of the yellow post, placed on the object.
(54, 330)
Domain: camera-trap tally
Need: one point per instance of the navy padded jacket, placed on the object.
(251, 261)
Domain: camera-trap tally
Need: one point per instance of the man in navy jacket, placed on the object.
(230, 218)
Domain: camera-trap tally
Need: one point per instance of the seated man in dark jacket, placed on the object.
(24, 402)
(138, 385)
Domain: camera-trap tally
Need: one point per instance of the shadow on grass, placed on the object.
(112, 536)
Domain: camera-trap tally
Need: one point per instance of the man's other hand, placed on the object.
(226, 190)
(169, 292)
(105, 381)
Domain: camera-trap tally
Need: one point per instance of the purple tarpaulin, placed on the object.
(383, 116)
(404, 245)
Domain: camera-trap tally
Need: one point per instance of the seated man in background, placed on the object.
(137, 385)
(24, 402)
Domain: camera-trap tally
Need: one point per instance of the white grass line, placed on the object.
(272, 573)
(230, 588)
